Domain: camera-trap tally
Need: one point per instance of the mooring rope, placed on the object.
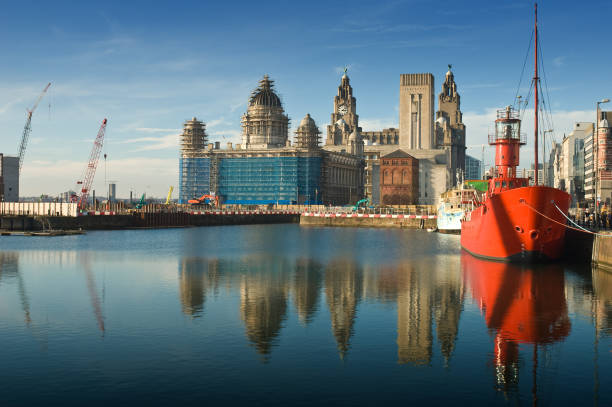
(579, 229)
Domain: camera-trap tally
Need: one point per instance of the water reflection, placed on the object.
(9, 269)
(521, 305)
(343, 288)
(426, 293)
(306, 288)
(602, 307)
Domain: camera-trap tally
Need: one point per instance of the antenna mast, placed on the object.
(536, 91)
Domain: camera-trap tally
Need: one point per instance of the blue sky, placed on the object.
(149, 66)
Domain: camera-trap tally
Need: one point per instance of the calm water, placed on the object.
(278, 314)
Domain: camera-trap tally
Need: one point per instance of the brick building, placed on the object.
(399, 179)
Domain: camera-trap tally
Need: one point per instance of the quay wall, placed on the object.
(142, 220)
(602, 250)
(365, 220)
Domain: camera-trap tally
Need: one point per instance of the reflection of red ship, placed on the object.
(520, 305)
(516, 221)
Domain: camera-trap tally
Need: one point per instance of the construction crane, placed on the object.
(169, 195)
(27, 129)
(90, 171)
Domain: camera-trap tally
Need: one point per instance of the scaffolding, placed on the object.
(269, 180)
(194, 174)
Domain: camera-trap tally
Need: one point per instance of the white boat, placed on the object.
(451, 207)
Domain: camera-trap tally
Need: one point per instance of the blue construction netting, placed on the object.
(194, 178)
(269, 180)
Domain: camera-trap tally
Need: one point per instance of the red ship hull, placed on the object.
(508, 227)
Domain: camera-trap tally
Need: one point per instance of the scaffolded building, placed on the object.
(266, 168)
(194, 164)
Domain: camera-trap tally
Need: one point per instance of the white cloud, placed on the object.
(559, 61)
(377, 124)
(155, 130)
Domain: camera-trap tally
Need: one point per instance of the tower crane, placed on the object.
(28, 127)
(88, 175)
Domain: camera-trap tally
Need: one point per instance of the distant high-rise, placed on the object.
(9, 178)
(473, 168)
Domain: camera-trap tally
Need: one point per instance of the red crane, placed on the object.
(28, 127)
(90, 170)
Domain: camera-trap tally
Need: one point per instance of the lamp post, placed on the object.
(596, 161)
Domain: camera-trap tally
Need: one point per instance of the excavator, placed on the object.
(365, 202)
(206, 199)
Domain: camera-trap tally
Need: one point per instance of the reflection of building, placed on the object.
(263, 302)
(9, 178)
(197, 277)
(414, 306)
(343, 288)
(520, 306)
(265, 168)
(306, 288)
(602, 307)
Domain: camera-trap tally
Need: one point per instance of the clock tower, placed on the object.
(344, 119)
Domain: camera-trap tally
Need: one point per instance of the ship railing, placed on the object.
(508, 113)
(494, 138)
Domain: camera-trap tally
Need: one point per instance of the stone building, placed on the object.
(449, 127)
(266, 168)
(438, 145)
(416, 110)
(399, 179)
(194, 164)
(265, 124)
(603, 168)
(344, 119)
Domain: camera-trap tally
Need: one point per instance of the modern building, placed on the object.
(266, 168)
(473, 168)
(9, 178)
(399, 179)
(572, 161)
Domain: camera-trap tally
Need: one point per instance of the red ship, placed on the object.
(516, 221)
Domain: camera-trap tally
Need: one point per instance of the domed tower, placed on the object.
(307, 134)
(193, 139)
(265, 124)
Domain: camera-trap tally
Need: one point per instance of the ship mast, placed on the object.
(536, 90)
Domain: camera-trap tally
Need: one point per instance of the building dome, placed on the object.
(307, 133)
(264, 94)
(307, 123)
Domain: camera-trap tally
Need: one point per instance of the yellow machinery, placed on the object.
(169, 195)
